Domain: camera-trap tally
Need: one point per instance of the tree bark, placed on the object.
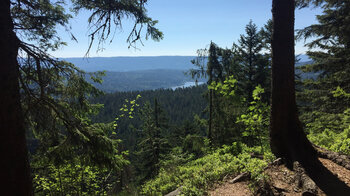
(287, 138)
(14, 166)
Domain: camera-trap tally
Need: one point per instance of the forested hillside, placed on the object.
(158, 78)
(141, 80)
(179, 105)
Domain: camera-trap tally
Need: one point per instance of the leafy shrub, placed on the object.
(327, 136)
(197, 176)
(71, 178)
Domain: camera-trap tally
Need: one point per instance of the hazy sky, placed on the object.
(187, 25)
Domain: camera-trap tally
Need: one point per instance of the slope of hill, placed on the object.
(180, 104)
(142, 80)
(147, 73)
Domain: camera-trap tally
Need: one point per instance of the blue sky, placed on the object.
(187, 25)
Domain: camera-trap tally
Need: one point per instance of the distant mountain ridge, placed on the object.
(125, 64)
(142, 80)
(147, 73)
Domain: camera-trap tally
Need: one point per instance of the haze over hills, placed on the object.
(125, 64)
(143, 80)
(138, 73)
(145, 73)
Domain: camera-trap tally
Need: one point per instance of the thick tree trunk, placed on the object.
(14, 166)
(287, 138)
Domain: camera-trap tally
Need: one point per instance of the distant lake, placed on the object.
(187, 84)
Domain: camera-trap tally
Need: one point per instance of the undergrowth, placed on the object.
(334, 137)
(197, 176)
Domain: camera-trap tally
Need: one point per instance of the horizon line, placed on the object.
(130, 56)
(141, 56)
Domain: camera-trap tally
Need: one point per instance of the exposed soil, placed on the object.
(342, 173)
(282, 181)
(226, 189)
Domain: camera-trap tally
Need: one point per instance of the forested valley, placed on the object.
(256, 112)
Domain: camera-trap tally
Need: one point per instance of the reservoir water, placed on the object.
(187, 84)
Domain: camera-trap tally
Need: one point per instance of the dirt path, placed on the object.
(282, 181)
(228, 189)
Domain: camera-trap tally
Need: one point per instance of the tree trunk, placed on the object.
(14, 166)
(157, 136)
(210, 126)
(287, 138)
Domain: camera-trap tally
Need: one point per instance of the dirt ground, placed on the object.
(282, 181)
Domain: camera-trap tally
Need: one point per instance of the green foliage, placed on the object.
(152, 144)
(226, 88)
(256, 120)
(55, 96)
(72, 178)
(180, 104)
(339, 92)
(36, 22)
(107, 15)
(126, 111)
(336, 142)
(254, 65)
(58, 111)
(195, 177)
(195, 144)
(227, 105)
(232, 76)
(141, 80)
(324, 99)
(331, 131)
(329, 49)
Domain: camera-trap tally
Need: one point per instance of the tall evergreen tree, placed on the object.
(214, 73)
(247, 64)
(209, 66)
(287, 138)
(253, 63)
(152, 141)
(331, 63)
(266, 33)
(36, 21)
(14, 167)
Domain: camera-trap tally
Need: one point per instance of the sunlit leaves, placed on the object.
(256, 118)
(227, 88)
(195, 177)
(72, 178)
(127, 110)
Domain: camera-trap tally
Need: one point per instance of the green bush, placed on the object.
(336, 139)
(197, 176)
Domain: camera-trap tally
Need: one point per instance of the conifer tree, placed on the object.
(247, 64)
(254, 66)
(287, 138)
(214, 73)
(330, 51)
(36, 20)
(266, 33)
(152, 141)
